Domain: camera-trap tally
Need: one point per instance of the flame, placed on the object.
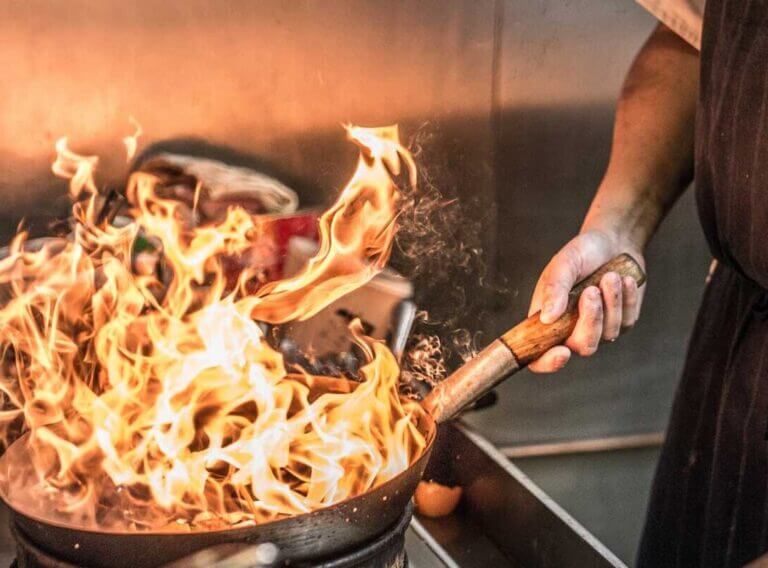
(78, 169)
(131, 141)
(156, 401)
(351, 252)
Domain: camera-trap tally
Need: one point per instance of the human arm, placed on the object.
(651, 164)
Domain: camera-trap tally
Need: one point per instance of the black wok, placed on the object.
(335, 529)
(311, 536)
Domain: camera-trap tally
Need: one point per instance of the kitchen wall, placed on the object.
(562, 67)
(510, 101)
(271, 79)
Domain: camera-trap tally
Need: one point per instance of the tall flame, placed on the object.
(151, 402)
(131, 141)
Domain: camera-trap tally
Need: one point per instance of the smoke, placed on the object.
(439, 247)
(423, 364)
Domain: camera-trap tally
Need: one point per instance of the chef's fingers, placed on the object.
(553, 360)
(611, 288)
(631, 298)
(556, 281)
(579, 258)
(589, 327)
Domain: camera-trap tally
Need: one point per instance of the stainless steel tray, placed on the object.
(504, 519)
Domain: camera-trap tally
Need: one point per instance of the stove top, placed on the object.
(422, 551)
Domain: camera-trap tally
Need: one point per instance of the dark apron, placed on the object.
(709, 505)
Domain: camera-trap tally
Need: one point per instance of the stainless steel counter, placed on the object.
(504, 519)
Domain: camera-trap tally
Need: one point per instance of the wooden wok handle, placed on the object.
(530, 339)
(519, 346)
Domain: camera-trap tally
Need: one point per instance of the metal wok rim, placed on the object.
(426, 425)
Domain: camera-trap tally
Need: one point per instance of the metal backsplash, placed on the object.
(511, 102)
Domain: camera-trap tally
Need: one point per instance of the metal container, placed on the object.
(504, 519)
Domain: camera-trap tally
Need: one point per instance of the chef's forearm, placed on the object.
(651, 160)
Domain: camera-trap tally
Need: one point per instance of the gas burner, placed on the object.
(386, 551)
(29, 556)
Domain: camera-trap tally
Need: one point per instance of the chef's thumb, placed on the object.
(558, 279)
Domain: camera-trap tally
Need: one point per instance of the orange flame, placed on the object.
(131, 141)
(78, 169)
(149, 402)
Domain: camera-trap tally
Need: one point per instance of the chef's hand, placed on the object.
(604, 310)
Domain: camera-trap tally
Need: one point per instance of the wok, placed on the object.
(331, 530)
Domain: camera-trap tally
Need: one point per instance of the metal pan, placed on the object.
(312, 536)
(341, 527)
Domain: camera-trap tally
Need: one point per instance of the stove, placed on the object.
(386, 551)
(406, 544)
(504, 520)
